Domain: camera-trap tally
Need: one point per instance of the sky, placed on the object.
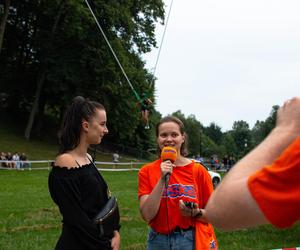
(225, 61)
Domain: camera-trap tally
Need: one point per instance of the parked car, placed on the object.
(215, 177)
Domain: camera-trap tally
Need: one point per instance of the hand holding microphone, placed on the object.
(168, 154)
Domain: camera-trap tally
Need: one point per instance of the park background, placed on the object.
(51, 51)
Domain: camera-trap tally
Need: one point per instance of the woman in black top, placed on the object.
(75, 184)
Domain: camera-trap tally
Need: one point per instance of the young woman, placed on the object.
(173, 225)
(75, 184)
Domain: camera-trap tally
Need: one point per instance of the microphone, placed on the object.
(168, 154)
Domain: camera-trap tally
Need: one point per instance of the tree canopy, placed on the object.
(51, 51)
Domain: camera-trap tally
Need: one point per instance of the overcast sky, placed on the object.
(225, 61)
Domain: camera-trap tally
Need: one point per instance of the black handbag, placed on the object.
(108, 219)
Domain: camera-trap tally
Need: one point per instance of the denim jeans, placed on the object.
(183, 240)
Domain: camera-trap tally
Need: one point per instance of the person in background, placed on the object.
(3, 159)
(116, 158)
(263, 187)
(24, 161)
(9, 163)
(75, 184)
(16, 160)
(146, 104)
(173, 225)
(231, 162)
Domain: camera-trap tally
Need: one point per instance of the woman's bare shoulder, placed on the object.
(65, 160)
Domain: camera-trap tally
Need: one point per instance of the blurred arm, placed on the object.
(232, 206)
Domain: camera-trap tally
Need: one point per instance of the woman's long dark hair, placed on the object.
(80, 109)
(183, 148)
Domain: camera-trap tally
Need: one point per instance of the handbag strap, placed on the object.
(101, 177)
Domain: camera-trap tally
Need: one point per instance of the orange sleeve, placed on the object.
(144, 186)
(276, 188)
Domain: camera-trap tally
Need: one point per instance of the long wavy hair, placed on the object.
(80, 109)
(183, 148)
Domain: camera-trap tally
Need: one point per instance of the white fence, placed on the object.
(46, 164)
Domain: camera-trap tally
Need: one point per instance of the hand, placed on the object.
(288, 116)
(188, 212)
(166, 167)
(116, 241)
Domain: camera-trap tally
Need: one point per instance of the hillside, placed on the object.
(11, 140)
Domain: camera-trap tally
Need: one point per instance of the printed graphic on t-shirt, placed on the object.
(179, 191)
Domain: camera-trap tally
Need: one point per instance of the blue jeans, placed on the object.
(183, 240)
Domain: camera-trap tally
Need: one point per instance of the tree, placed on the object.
(43, 69)
(62, 54)
(194, 130)
(3, 21)
(209, 148)
(262, 128)
(214, 132)
(242, 137)
(229, 145)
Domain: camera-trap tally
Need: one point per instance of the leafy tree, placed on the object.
(194, 131)
(214, 132)
(3, 20)
(228, 144)
(242, 137)
(61, 54)
(262, 128)
(209, 147)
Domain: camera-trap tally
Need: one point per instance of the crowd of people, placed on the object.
(16, 160)
(215, 164)
(226, 163)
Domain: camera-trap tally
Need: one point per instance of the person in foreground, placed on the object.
(173, 225)
(264, 186)
(75, 184)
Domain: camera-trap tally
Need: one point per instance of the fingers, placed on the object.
(166, 167)
(187, 211)
(181, 205)
(115, 242)
(288, 116)
(291, 102)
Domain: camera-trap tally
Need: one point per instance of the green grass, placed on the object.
(30, 220)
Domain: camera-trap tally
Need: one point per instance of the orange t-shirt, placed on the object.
(181, 187)
(276, 188)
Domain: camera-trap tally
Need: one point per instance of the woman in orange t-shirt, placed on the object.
(172, 223)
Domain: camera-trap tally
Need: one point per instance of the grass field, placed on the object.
(30, 220)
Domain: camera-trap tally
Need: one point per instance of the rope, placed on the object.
(112, 51)
(154, 70)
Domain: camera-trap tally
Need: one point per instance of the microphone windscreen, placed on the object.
(168, 153)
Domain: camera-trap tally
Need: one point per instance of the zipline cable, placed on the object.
(162, 40)
(112, 51)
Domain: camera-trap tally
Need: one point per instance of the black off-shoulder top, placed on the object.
(80, 193)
